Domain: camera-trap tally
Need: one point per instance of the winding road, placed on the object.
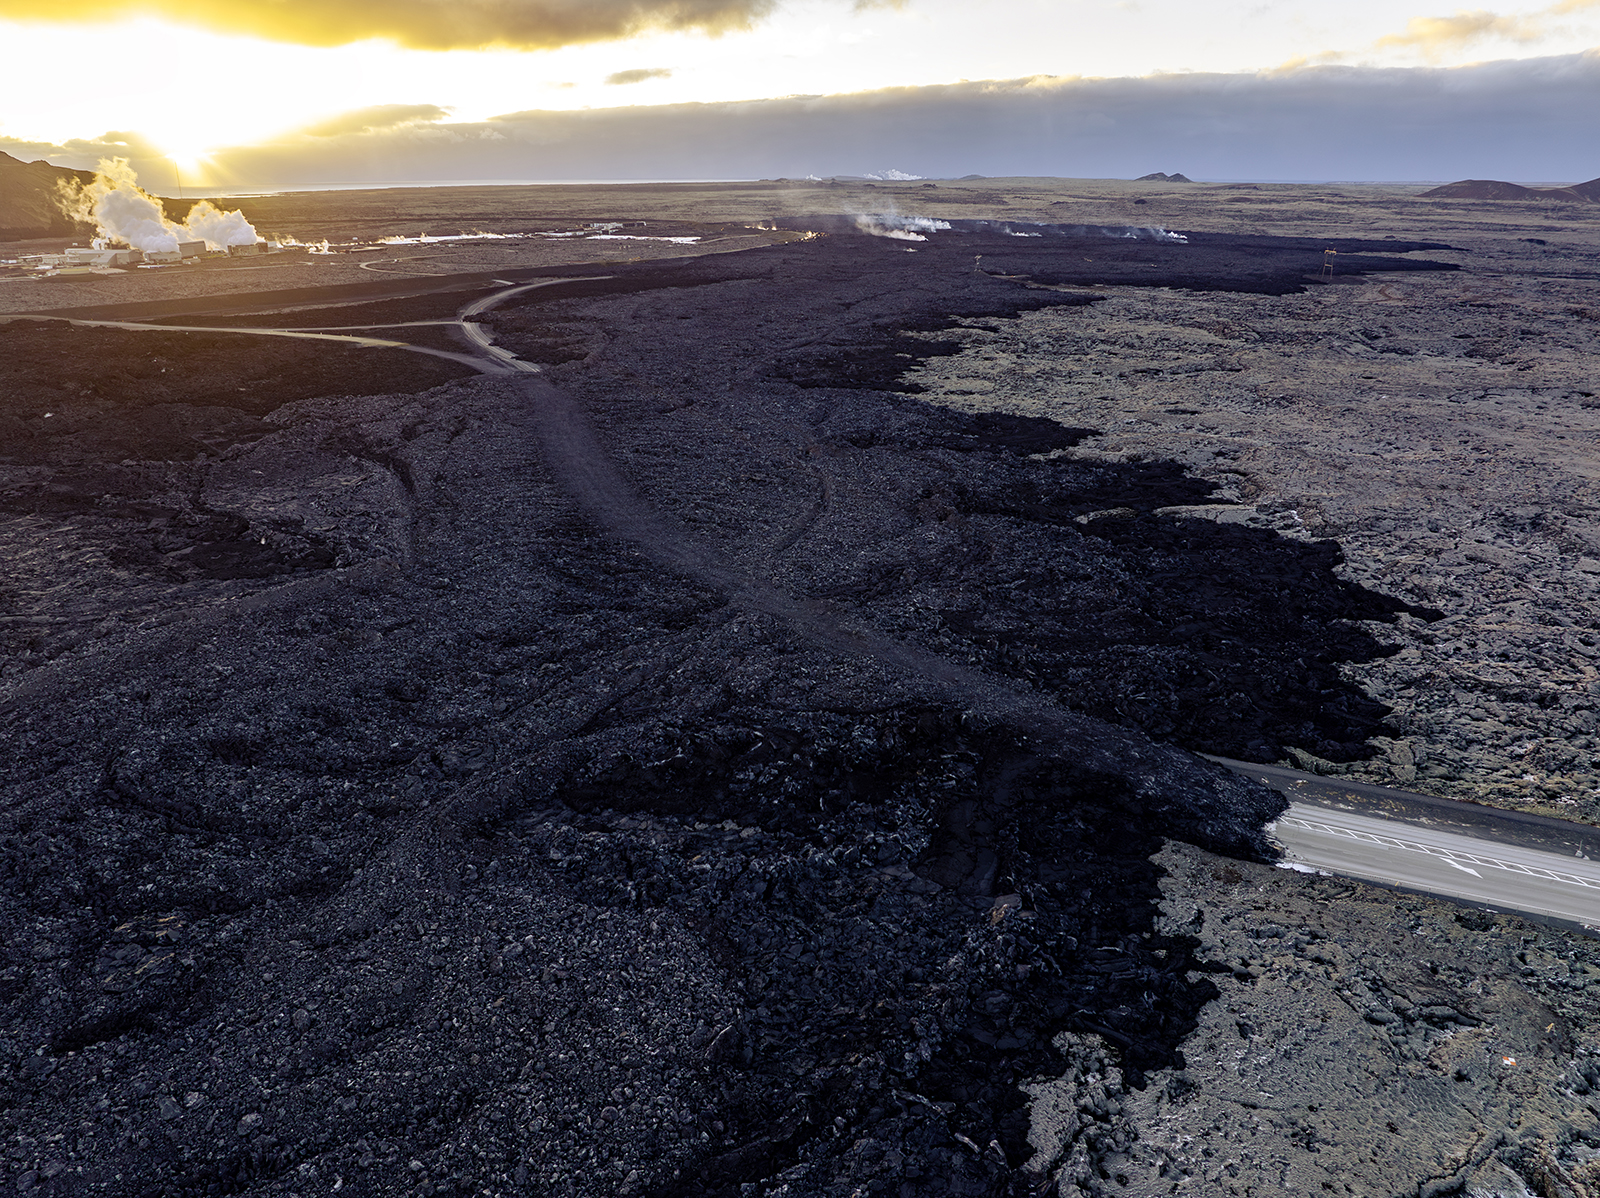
(490, 358)
(363, 342)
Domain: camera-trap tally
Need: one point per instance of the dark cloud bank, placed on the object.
(1529, 120)
(425, 24)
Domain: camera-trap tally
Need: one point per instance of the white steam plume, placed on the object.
(1146, 233)
(124, 212)
(119, 209)
(219, 229)
(901, 228)
(1121, 232)
(916, 228)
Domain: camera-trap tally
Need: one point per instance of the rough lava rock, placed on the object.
(703, 768)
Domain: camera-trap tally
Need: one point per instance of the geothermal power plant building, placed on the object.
(186, 249)
(100, 256)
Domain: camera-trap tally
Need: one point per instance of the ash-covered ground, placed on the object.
(708, 767)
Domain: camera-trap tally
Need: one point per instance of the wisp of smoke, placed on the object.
(124, 212)
(1147, 233)
(901, 228)
(1121, 232)
(434, 239)
(917, 228)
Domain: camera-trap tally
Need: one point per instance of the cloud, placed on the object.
(377, 117)
(420, 24)
(28, 151)
(1434, 34)
(1527, 119)
(1437, 36)
(638, 75)
(1301, 61)
(85, 152)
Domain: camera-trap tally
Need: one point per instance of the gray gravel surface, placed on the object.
(1442, 429)
(1363, 1043)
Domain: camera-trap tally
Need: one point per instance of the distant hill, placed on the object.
(1159, 177)
(28, 199)
(1494, 189)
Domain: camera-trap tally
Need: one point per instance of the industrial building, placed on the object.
(100, 257)
(186, 249)
(103, 256)
(80, 258)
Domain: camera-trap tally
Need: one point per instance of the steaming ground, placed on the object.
(124, 214)
(298, 268)
(403, 799)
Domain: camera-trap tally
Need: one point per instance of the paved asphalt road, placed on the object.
(1420, 858)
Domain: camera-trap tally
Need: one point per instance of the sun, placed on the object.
(186, 164)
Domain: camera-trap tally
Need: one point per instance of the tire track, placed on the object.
(1164, 778)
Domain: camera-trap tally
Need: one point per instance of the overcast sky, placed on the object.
(284, 93)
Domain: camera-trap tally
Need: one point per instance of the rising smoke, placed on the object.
(918, 228)
(124, 213)
(1121, 232)
(901, 228)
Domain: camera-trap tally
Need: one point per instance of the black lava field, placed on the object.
(700, 768)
